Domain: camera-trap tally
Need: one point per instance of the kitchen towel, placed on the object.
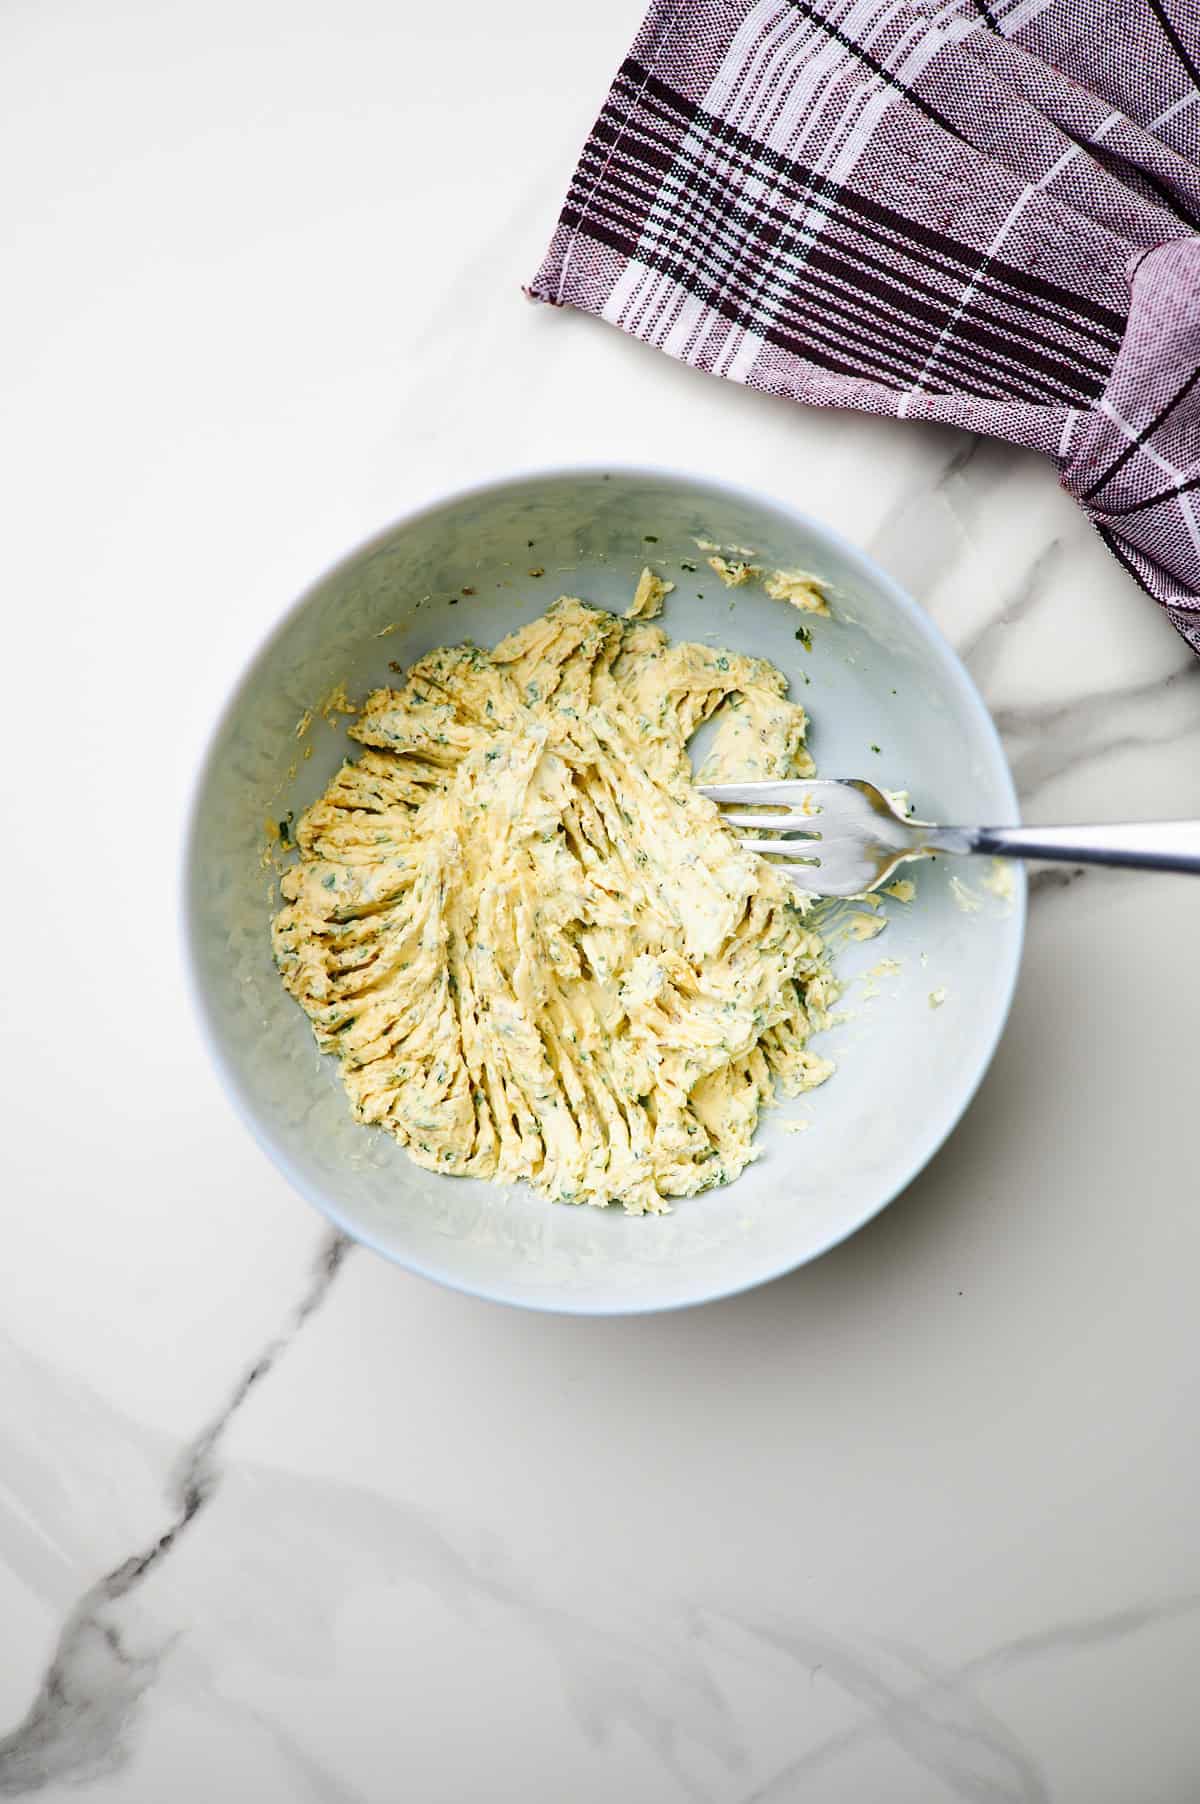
(981, 211)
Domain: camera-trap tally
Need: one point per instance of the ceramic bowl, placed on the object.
(888, 699)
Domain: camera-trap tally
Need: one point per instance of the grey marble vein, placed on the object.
(920, 537)
(1089, 1631)
(317, 1783)
(195, 1473)
(626, 1663)
(964, 454)
(939, 1720)
(1052, 879)
(980, 649)
(77, 1725)
(1045, 740)
(1055, 879)
(928, 1712)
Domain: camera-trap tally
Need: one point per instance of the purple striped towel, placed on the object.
(979, 211)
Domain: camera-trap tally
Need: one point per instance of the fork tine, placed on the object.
(783, 823)
(806, 850)
(786, 793)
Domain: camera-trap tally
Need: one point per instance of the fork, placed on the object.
(844, 837)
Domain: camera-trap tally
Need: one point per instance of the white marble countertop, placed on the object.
(278, 1521)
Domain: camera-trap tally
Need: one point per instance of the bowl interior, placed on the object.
(887, 699)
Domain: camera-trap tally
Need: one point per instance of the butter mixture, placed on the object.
(527, 937)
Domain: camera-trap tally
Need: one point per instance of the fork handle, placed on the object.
(1148, 845)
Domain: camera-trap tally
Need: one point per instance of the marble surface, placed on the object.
(278, 1521)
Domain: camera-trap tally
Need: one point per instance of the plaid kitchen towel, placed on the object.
(978, 211)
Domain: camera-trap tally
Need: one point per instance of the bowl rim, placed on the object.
(436, 502)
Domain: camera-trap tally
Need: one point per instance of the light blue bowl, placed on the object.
(881, 675)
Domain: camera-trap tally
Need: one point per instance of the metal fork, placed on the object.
(844, 837)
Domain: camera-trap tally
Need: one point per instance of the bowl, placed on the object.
(888, 699)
